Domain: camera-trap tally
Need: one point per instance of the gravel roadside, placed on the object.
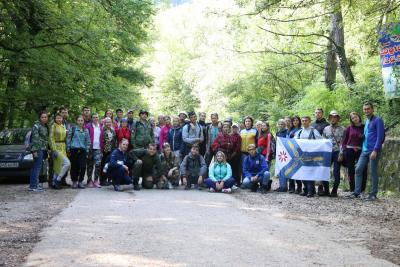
(23, 215)
(374, 225)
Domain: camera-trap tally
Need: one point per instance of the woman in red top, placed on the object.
(265, 142)
(124, 132)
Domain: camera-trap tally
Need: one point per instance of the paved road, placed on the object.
(185, 228)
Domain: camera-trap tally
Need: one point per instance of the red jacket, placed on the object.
(225, 143)
(265, 142)
(124, 133)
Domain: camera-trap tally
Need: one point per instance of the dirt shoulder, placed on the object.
(375, 225)
(23, 214)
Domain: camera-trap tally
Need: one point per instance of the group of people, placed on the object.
(184, 150)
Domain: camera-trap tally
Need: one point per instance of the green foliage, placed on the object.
(56, 53)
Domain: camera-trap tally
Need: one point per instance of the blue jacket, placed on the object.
(220, 172)
(374, 132)
(175, 138)
(117, 159)
(254, 166)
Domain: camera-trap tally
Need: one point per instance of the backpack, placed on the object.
(311, 136)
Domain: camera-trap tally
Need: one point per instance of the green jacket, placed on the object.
(141, 135)
(39, 137)
(149, 162)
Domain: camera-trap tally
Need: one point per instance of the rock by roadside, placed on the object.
(22, 216)
(375, 225)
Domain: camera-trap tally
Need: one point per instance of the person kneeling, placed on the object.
(146, 164)
(193, 168)
(118, 170)
(220, 175)
(255, 171)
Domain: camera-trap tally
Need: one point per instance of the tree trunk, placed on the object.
(337, 31)
(330, 65)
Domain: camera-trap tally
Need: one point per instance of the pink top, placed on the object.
(164, 134)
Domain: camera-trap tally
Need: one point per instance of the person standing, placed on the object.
(109, 143)
(86, 114)
(142, 133)
(335, 133)
(236, 159)
(320, 122)
(374, 136)
(296, 126)
(95, 154)
(307, 132)
(118, 170)
(78, 145)
(203, 124)
(164, 131)
(124, 132)
(182, 118)
(192, 133)
(118, 119)
(248, 135)
(351, 147)
(211, 133)
(282, 130)
(130, 119)
(175, 138)
(38, 146)
(156, 132)
(57, 140)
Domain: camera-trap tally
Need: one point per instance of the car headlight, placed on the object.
(28, 157)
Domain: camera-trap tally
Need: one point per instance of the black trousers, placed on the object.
(351, 157)
(236, 168)
(104, 159)
(78, 164)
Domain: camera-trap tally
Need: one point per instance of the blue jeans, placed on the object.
(263, 180)
(227, 184)
(35, 171)
(361, 167)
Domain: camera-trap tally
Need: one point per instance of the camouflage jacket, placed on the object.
(39, 137)
(142, 134)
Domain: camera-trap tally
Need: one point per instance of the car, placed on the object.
(16, 159)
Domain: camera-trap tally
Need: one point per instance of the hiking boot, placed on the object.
(74, 185)
(269, 185)
(371, 197)
(281, 190)
(264, 189)
(354, 196)
(303, 194)
(334, 192)
(81, 186)
(320, 191)
(226, 190)
(291, 191)
(37, 189)
(254, 187)
(56, 185)
(309, 195)
(298, 191)
(64, 183)
(136, 187)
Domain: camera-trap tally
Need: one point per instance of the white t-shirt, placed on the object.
(96, 137)
(306, 134)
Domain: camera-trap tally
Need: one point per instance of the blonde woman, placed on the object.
(220, 175)
(61, 165)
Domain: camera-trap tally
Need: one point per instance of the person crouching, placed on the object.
(118, 170)
(220, 175)
(255, 171)
(193, 168)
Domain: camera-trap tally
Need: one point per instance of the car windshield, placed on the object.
(13, 136)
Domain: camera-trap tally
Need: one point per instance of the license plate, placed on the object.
(9, 164)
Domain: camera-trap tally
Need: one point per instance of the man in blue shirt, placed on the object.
(374, 136)
(255, 171)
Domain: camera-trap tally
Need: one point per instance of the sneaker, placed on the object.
(309, 195)
(371, 197)
(188, 186)
(74, 185)
(298, 191)
(81, 186)
(37, 189)
(212, 190)
(136, 187)
(303, 194)
(226, 190)
(354, 196)
(197, 187)
(291, 191)
(40, 185)
(264, 189)
(56, 184)
(90, 184)
(170, 186)
(281, 190)
(234, 188)
(96, 184)
(254, 187)
(117, 188)
(324, 193)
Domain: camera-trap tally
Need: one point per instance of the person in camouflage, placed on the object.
(170, 168)
(39, 145)
(142, 133)
(146, 164)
